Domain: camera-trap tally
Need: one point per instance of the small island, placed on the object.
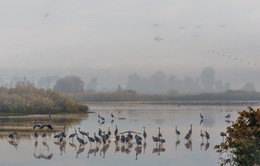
(24, 98)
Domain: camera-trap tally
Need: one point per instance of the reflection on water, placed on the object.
(132, 143)
(14, 143)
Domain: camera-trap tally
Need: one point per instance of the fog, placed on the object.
(109, 40)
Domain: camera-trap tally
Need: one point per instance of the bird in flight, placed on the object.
(155, 25)
(157, 38)
(183, 27)
(223, 26)
(47, 14)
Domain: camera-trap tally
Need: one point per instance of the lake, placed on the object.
(26, 149)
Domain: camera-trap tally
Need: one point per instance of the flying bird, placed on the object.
(47, 14)
(157, 38)
(182, 27)
(223, 26)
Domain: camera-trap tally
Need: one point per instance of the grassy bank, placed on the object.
(24, 99)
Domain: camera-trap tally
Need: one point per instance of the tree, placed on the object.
(47, 81)
(242, 145)
(208, 78)
(92, 85)
(70, 84)
(133, 82)
(158, 83)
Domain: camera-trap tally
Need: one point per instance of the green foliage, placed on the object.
(243, 143)
(27, 99)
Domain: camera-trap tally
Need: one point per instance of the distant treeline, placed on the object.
(24, 98)
(124, 96)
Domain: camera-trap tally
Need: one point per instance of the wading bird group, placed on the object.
(102, 138)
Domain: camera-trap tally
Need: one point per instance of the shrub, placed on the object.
(242, 145)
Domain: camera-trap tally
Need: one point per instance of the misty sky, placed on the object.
(111, 38)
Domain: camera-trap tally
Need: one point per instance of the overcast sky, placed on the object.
(112, 38)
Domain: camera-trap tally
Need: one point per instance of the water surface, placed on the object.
(28, 150)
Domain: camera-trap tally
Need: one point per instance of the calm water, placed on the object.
(28, 150)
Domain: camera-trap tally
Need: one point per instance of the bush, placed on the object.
(242, 145)
(27, 99)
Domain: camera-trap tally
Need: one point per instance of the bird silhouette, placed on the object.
(73, 135)
(47, 14)
(228, 116)
(112, 115)
(46, 125)
(90, 139)
(97, 139)
(223, 134)
(144, 133)
(177, 132)
(44, 134)
(207, 135)
(13, 134)
(82, 132)
(201, 116)
(190, 131)
(116, 131)
(81, 141)
(159, 132)
(202, 135)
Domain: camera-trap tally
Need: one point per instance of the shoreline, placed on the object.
(179, 103)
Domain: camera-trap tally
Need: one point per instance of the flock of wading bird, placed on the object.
(126, 138)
